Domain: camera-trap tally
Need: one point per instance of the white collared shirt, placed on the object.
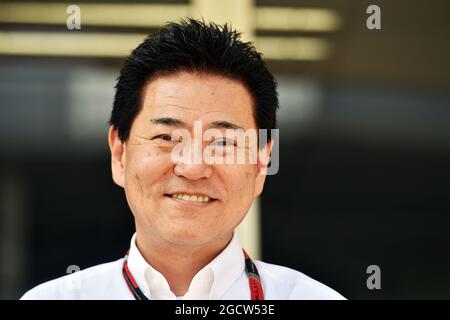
(224, 278)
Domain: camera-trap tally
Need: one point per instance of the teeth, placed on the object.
(195, 198)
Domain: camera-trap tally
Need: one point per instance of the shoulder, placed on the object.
(89, 283)
(285, 283)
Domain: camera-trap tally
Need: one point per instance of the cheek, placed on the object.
(240, 182)
(145, 167)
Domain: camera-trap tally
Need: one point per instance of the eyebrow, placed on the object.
(223, 125)
(167, 121)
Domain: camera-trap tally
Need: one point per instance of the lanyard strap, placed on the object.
(254, 280)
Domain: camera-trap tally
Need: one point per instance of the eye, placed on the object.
(165, 137)
(224, 143)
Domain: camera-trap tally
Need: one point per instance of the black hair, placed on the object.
(194, 46)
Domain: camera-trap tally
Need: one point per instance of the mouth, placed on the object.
(191, 198)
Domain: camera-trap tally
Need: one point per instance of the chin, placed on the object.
(188, 237)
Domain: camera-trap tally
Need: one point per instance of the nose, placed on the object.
(193, 171)
(193, 167)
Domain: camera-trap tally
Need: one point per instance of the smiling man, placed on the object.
(189, 77)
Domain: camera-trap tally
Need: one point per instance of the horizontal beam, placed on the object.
(297, 19)
(116, 45)
(111, 14)
(155, 15)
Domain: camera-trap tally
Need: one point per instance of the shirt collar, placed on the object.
(211, 282)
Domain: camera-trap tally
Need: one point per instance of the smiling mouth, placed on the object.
(194, 198)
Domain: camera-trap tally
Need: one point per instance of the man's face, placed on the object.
(154, 183)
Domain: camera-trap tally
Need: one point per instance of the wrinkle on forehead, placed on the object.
(187, 108)
(194, 93)
(170, 87)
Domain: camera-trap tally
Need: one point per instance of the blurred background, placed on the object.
(364, 124)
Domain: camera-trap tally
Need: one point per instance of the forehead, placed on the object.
(198, 96)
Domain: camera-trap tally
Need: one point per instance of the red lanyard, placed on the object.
(254, 280)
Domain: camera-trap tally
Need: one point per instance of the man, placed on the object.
(189, 76)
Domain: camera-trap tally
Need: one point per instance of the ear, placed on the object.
(118, 158)
(262, 165)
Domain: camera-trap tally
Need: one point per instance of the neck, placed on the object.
(178, 263)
